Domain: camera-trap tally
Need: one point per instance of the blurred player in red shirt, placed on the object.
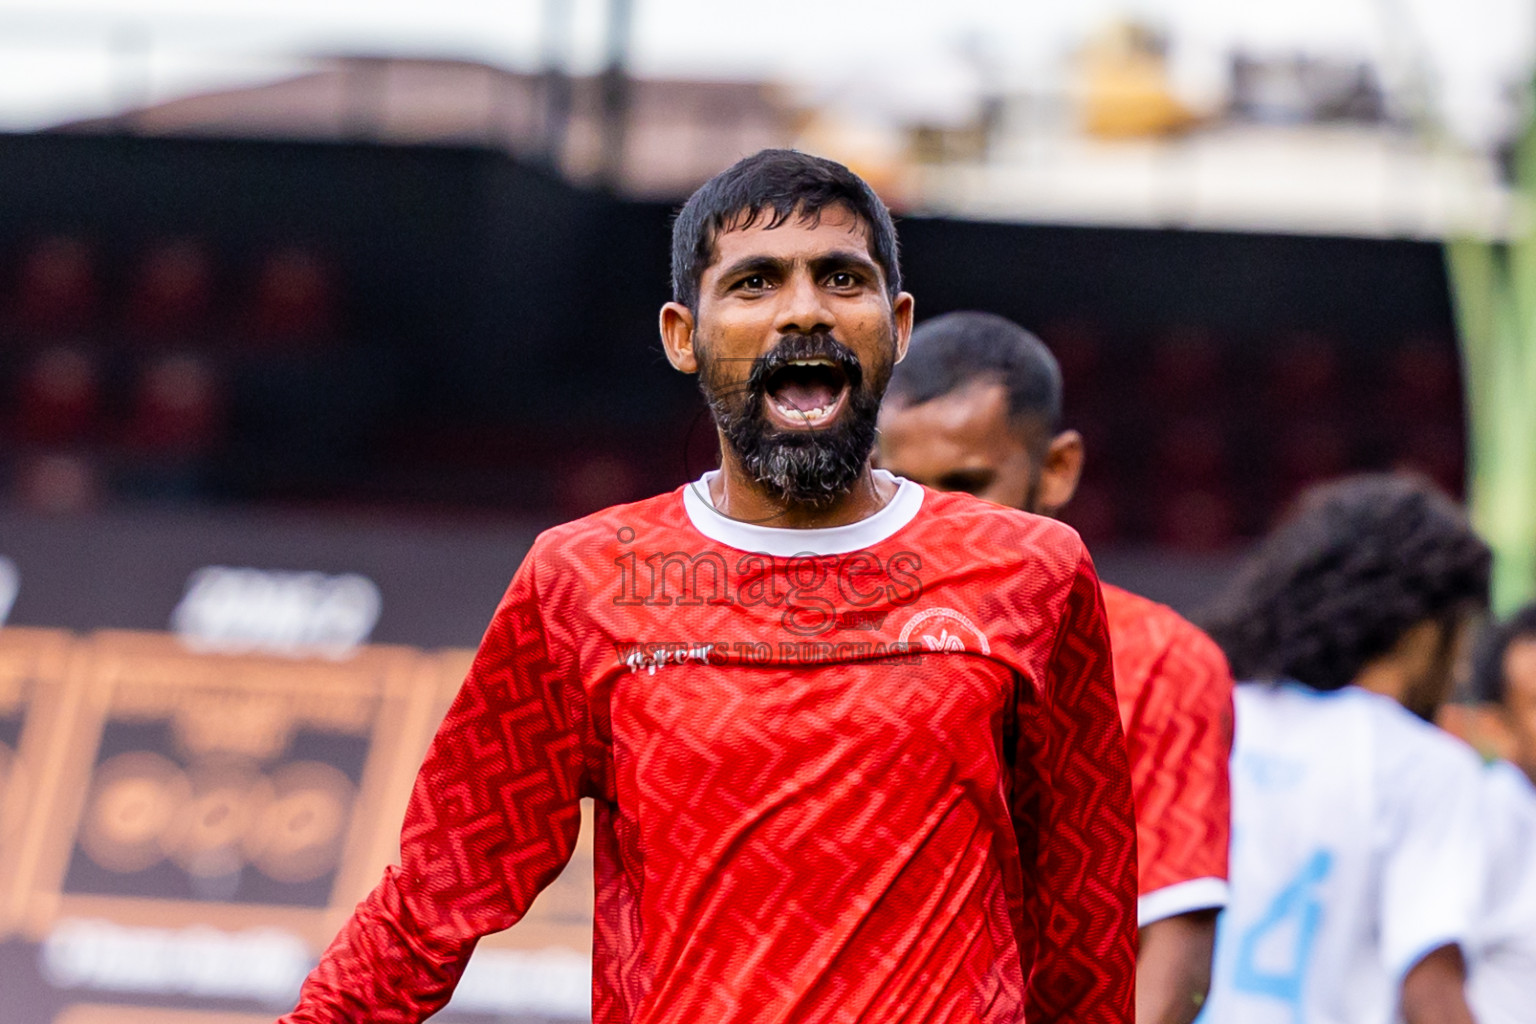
(853, 745)
(976, 407)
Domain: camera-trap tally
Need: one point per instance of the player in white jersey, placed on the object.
(1356, 843)
(1503, 968)
(1357, 858)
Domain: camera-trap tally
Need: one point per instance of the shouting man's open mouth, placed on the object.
(806, 393)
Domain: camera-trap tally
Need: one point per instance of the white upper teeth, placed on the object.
(810, 362)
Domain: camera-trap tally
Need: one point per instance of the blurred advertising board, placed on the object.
(182, 832)
(275, 581)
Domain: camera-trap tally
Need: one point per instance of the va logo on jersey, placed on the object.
(944, 630)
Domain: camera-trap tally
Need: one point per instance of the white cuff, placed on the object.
(1181, 898)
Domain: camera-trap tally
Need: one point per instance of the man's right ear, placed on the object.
(677, 337)
(1060, 471)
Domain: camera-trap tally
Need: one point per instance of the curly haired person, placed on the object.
(1358, 853)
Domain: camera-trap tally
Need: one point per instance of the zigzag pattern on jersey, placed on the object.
(828, 861)
(492, 819)
(621, 971)
(1175, 693)
(1083, 967)
(786, 842)
(971, 530)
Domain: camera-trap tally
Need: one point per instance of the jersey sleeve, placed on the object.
(1074, 818)
(1181, 744)
(492, 819)
(1509, 809)
(1505, 960)
(1434, 862)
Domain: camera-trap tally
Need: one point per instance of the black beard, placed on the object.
(808, 467)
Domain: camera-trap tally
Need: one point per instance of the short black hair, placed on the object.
(785, 183)
(1355, 565)
(950, 351)
(1488, 683)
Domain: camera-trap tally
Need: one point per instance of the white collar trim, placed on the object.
(781, 542)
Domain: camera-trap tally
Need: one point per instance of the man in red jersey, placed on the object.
(853, 745)
(976, 407)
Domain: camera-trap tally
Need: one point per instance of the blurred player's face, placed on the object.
(967, 441)
(793, 340)
(1520, 702)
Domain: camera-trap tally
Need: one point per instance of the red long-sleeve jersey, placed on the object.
(864, 773)
(1175, 692)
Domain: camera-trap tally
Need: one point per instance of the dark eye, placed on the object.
(969, 482)
(753, 283)
(842, 279)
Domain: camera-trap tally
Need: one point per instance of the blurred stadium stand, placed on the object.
(444, 329)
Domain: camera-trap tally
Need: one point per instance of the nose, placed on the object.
(802, 306)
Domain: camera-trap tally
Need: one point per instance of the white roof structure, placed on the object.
(877, 68)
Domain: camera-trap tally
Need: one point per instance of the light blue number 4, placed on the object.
(1296, 906)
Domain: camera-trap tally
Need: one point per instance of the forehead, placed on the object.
(971, 419)
(802, 235)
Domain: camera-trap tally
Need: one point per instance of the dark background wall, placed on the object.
(494, 343)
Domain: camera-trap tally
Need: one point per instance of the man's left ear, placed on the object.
(1060, 471)
(677, 337)
(901, 313)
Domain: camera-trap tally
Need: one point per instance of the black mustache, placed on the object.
(805, 346)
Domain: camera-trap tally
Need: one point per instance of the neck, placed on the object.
(1416, 672)
(737, 494)
(1383, 676)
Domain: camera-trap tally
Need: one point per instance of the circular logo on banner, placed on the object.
(299, 835)
(212, 819)
(944, 630)
(135, 799)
